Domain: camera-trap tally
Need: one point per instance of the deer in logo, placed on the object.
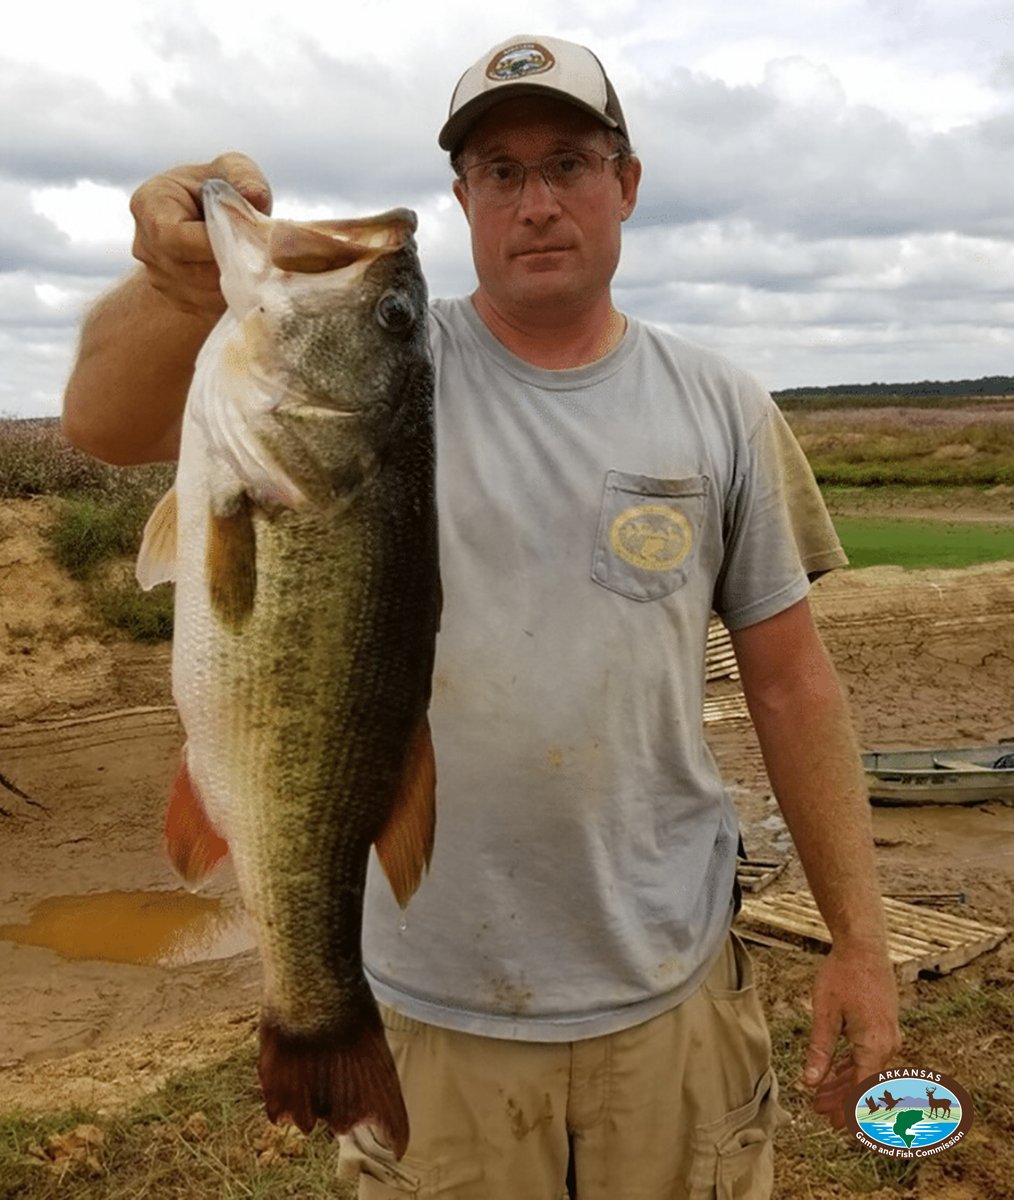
(934, 1104)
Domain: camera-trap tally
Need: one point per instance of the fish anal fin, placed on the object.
(231, 563)
(195, 847)
(341, 1079)
(156, 561)
(405, 844)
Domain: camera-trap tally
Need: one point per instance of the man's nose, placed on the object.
(538, 202)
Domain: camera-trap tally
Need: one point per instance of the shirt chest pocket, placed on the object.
(647, 533)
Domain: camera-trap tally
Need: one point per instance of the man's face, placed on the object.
(542, 249)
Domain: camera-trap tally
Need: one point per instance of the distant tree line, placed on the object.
(929, 393)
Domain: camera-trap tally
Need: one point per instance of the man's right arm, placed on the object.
(124, 400)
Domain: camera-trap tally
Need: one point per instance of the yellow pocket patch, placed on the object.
(654, 537)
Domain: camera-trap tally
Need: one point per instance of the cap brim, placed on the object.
(457, 126)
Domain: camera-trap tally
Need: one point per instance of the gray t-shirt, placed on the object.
(590, 520)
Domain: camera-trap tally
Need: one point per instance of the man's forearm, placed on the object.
(823, 797)
(125, 396)
(813, 761)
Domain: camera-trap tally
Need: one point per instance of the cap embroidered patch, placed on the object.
(526, 58)
(653, 537)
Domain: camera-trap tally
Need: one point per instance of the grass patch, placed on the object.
(89, 532)
(910, 542)
(89, 536)
(203, 1136)
(99, 522)
(143, 616)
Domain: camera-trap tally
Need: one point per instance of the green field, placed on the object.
(910, 542)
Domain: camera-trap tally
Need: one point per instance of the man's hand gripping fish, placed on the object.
(301, 533)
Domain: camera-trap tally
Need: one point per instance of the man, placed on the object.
(564, 997)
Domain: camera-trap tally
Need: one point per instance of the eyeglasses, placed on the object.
(568, 173)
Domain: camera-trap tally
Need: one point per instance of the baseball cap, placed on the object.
(528, 65)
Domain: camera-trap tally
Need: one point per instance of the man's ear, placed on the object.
(630, 180)
(463, 198)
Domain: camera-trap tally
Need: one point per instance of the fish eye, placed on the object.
(394, 312)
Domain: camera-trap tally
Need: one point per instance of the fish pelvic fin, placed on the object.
(156, 562)
(195, 847)
(230, 562)
(341, 1079)
(405, 844)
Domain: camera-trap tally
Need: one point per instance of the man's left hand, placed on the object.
(854, 994)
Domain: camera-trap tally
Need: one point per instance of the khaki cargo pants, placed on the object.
(681, 1107)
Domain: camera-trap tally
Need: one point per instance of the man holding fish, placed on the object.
(563, 996)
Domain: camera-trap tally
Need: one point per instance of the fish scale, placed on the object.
(301, 533)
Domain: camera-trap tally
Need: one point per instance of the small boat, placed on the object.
(947, 776)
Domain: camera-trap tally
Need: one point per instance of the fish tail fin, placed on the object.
(342, 1080)
(195, 847)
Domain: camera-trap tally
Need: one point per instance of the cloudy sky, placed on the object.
(828, 192)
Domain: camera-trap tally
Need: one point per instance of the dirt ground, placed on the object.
(88, 732)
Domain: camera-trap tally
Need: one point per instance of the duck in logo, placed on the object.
(653, 537)
(527, 58)
(909, 1113)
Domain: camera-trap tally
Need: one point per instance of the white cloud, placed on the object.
(88, 213)
(827, 197)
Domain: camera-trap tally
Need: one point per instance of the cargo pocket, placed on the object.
(734, 1156)
(647, 534)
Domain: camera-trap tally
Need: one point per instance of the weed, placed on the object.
(99, 521)
(88, 532)
(144, 616)
(912, 447)
(37, 460)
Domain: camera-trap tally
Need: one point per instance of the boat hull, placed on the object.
(941, 776)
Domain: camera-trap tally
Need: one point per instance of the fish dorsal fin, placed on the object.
(195, 846)
(405, 844)
(156, 562)
(295, 247)
(239, 237)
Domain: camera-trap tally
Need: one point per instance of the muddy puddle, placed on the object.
(166, 929)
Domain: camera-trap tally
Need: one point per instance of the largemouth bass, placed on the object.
(301, 533)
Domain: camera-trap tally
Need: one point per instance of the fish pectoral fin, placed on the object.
(156, 562)
(195, 847)
(405, 844)
(230, 562)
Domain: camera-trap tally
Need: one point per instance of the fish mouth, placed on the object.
(314, 246)
(311, 247)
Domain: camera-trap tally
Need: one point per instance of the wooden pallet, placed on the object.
(721, 658)
(919, 939)
(725, 708)
(754, 874)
